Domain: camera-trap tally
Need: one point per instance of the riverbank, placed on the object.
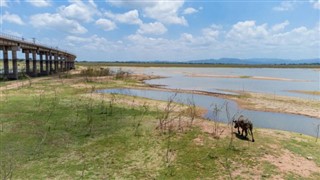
(256, 101)
(59, 128)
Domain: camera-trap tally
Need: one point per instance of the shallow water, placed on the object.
(280, 121)
(295, 79)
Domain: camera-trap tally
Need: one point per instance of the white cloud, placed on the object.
(155, 28)
(130, 17)
(40, 3)
(99, 45)
(244, 40)
(57, 22)
(163, 11)
(13, 33)
(92, 3)
(3, 3)
(106, 24)
(189, 11)
(285, 6)
(315, 4)
(132, 3)
(79, 10)
(166, 12)
(247, 30)
(212, 32)
(186, 37)
(12, 18)
(280, 27)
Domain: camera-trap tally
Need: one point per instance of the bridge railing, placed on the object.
(22, 39)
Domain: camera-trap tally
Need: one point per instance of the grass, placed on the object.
(305, 148)
(245, 77)
(58, 129)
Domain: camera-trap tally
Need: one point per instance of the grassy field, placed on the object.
(58, 128)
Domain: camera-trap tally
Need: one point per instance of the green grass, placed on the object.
(245, 77)
(52, 130)
(305, 148)
(40, 129)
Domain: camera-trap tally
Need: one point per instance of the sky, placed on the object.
(170, 30)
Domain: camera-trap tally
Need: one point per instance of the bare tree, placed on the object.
(164, 118)
(216, 132)
(192, 110)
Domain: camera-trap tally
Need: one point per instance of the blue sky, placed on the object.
(109, 30)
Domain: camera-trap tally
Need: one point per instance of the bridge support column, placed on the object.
(65, 65)
(27, 62)
(61, 64)
(55, 63)
(72, 65)
(47, 64)
(14, 64)
(5, 62)
(50, 62)
(34, 63)
(41, 63)
(58, 64)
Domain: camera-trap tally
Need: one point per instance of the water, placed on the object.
(280, 121)
(292, 80)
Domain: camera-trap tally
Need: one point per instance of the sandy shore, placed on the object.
(246, 77)
(308, 92)
(258, 101)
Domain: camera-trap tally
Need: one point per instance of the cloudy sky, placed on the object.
(108, 30)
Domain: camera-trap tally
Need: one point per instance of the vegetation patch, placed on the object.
(245, 77)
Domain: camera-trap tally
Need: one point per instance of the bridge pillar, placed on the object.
(72, 64)
(14, 64)
(58, 63)
(65, 64)
(41, 62)
(27, 62)
(61, 64)
(50, 62)
(34, 63)
(55, 62)
(5, 62)
(47, 63)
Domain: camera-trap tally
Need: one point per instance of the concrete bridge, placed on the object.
(45, 60)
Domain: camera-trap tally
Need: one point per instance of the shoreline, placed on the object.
(254, 101)
(246, 77)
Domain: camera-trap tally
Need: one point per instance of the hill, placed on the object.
(254, 61)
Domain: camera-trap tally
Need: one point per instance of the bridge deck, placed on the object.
(51, 59)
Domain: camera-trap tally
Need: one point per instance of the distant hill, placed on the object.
(254, 61)
(236, 61)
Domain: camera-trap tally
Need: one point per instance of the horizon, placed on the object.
(214, 59)
(118, 30)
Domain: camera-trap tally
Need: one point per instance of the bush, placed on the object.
(91, 72)
(120, 74)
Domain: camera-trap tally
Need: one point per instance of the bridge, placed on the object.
(45, 60)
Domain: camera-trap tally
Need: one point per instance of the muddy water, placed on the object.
(280, 121)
